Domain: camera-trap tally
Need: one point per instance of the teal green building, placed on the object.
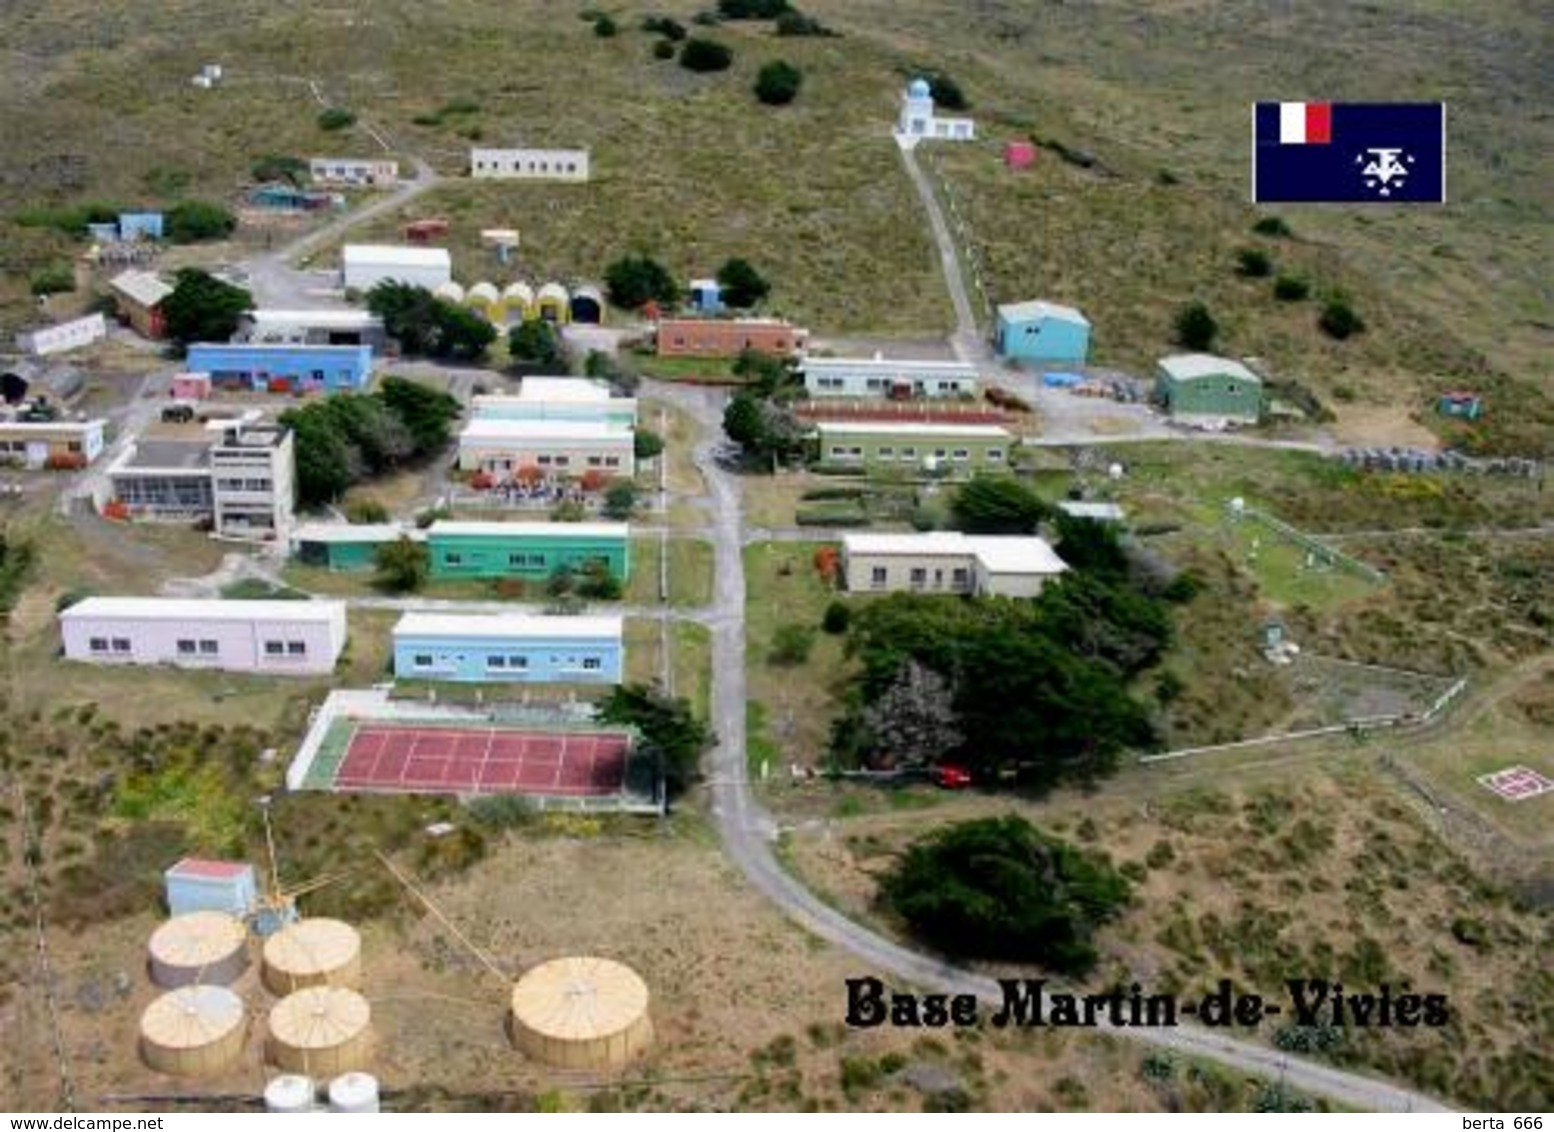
(345, 546)
(525, 550)
(1203, 387)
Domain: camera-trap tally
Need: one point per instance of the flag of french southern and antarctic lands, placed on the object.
(1349, 152)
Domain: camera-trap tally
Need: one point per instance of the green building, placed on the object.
(525, 550)
(914, 447)
(1204, 388)
(345, 546)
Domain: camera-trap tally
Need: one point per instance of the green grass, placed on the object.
(690, 572)
(257, 589)
(763, 757)
(691, 645)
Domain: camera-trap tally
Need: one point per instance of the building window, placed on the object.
(536, 560)
(958, 577)
(1231, 389)
(98, 644)
(517, 559)
(422, 660)
(121, 644)
(186, 647)
(496, 662)
(878, 577)
(274, 648)
(960, 455)
(453, 559)
(518, 662)
(875, 383)
(887, 452)
(543, 461)
(838, 451)
(75, 445)
(563, 461)
(208, 648)
(592, 664)
(995, 453)
(919, 577)
(612, 461)
(909, 453)
(939, 453)
(296, 648)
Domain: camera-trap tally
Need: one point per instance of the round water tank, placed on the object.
(290, 1092)
(353, 1092)
(320, 1030)
(194, 1031)
(198, 947)
(581, 1012)
(311, 953)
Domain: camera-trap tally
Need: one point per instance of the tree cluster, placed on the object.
(1196, 328)
(1038, 687)
(705, 56)
(202, 308)
(740, 284)
(426, 325)
(1001, 889)
(349, 437)
(670, 733)
(190, 221)
(534, 344)
(635, 280)
(998, 505)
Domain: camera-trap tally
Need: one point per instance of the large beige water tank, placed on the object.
(194, 1031)
(320, 1031)
(581, 1012)
(198, 947)
(312, 953)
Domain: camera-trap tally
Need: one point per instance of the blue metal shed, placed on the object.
(1042, 331)
(196, 884)
(282, 367)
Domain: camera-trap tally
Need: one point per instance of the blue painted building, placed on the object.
(140, 225)
(706, 296)
(509, 648)
(195, 884)
(1042, 331)
(282, 368)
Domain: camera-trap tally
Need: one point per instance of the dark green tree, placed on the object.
(670, 732)
(190, 221)
(741, 284)
(778, 83)
(743, 422)
(671, 29)
(998, 505)
(401, 566)
(1290, 288)
(946, 92)
(326, 463)
(279, 167)
(637, 279)
(647, 444)
(999, 888)
(427, 412)
(202, 308)
(535, 343)
(1254, 263)
(1338, 319)
(620, 499)
(752, 9)
(705, 56)
(604, 27)
(1195, 327)
(336, 118)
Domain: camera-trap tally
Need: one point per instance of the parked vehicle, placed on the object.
(178, 414)
(951, 777)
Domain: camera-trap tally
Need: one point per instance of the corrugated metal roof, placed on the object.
(890, 428)
(143, 287)
(203, 609)
(455, 528)
(505, 626)
(205, 869)
(395, 255)
(355, 532)
(999, 554)
(489, 428)
(1186, 367)
(1041, 308)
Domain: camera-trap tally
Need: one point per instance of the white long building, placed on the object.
(529, 164)
(949, 562)
(880, 376)
(560, 448)
(556, 398)
(367, 265)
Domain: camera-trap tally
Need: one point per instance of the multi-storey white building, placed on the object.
(252, 482)
(529, 164)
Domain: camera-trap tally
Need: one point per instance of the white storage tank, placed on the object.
(198, 947)
(353, 1092)
(290, 1092)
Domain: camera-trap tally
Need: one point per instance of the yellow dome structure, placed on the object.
(320, 1031)
(581, 1012)
(518, 299)
(450, 291)
(194, 1031)
(485, 298)
(198, 947)
(553, 304)
(312, 953)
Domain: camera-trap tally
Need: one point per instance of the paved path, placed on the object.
(748, 831)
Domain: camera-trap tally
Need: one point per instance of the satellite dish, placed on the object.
(1237, 505)
(1114, 471)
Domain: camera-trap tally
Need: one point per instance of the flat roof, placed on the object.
(325, 318)
(488, 428)
(1106, 512)
(998, 554)
(206, 869)
(456, 528)
(355, 532)
(1186, 367)
(395, 255)
(1041, 308)
(902, 365)
(502, 626)
(167, 455)
(891, 428)
(54, 426)
(193, 609)
(145, 287)
(278, 348)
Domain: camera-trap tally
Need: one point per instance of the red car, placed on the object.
(951, 777)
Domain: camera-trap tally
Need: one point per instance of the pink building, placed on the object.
(289, 638)
(1019, 155)
(191, 386)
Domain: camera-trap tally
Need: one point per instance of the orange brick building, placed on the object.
(728, 338)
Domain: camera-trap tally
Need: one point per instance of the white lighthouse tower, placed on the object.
(918, 121)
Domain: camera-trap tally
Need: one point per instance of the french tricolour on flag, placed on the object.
(1349, 152)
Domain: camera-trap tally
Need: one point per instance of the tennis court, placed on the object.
(402, 759)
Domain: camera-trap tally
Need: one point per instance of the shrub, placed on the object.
(70, 597)
(837, 617)
(570, 511)
(402, 566)
(191, 221)
(635, 280)
(366, 511)
(534, 343)
(647, 444)
(1272, 226)
(1290, 289)
(791, 644)
(1339, 320)
(55, 279)
(1254, 263)
(604, 27)
(665, 26)
(336, 118)
(663, 49)
(946, 92)
(794, 23)
(778, 83)
(279, 167)
(620, 499)
(741, 284)
(705, 56)
(751, 9)
(1195, 327)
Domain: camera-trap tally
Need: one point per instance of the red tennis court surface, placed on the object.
(482, 760)
(1516, 783)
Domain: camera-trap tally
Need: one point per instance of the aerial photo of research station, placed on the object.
(776, 555)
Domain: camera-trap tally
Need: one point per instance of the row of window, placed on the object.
(244, 485)
(456, 558)
(508, 662)
(192, 646)
(527, 167)
(960, 578)
(888, 452)
(879, 384)
(20, 446)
